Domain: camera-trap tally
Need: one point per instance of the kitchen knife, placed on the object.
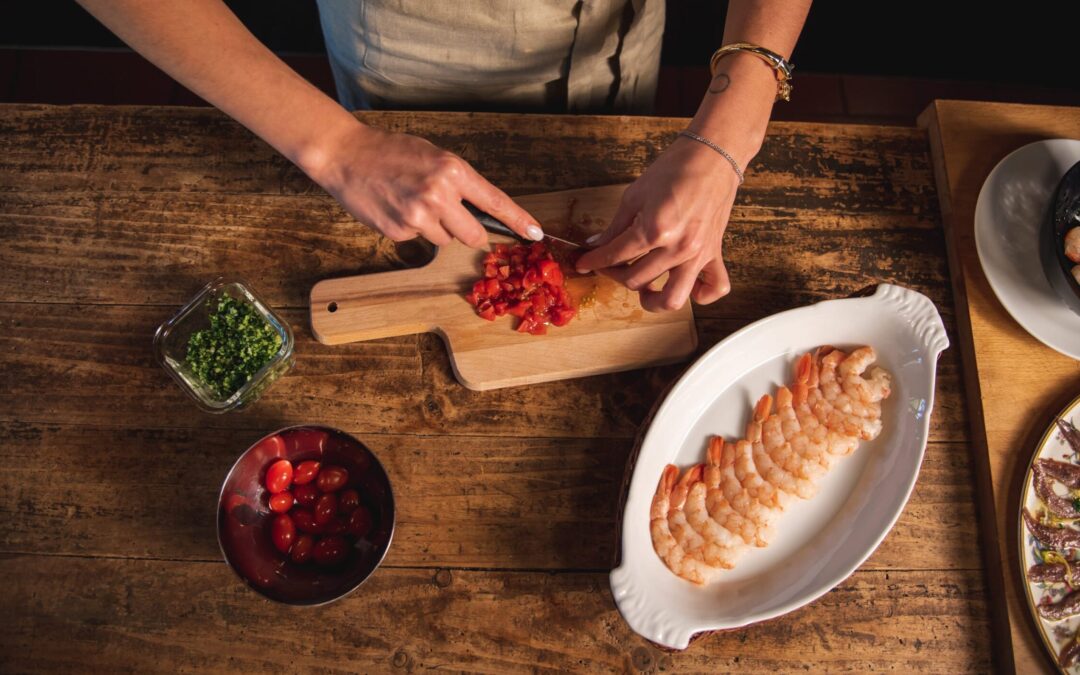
(496, 226)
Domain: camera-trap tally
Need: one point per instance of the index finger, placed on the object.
(497, 203)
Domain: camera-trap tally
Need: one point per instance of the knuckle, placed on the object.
(672, 304)
(449, 167)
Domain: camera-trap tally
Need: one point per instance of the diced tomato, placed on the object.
(551, 273)
(560, 316)
(524, 281)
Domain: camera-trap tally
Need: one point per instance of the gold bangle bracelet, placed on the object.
(780, 66)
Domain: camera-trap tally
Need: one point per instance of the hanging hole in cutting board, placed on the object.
(332, 307)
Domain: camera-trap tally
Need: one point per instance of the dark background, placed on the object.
(859, 61)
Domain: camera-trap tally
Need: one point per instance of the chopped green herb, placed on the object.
(1076, 504)
(237, 344)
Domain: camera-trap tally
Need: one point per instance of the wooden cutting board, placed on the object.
(611, 332)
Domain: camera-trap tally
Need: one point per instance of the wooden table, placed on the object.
(110, 218)
(1015, 384)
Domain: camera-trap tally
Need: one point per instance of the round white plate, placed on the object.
(820, 543)
(1055, 634)
(1012, 204)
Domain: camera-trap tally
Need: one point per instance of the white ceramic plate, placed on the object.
(820, 543)
(1054, 633)
(1012, 204)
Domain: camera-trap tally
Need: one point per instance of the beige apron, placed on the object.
(556, 55)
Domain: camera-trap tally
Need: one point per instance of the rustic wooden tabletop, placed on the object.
(111, 218)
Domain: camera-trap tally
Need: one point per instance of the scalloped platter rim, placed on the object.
(820, 544)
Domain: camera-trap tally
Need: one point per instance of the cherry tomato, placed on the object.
(306, 472)
(301, 550)
(348, 501)
(306, 495)
(279, 476)
(326, 508)
(281, 502)
(339, 525)
(283, 532)
(332, 479)
(330, 550)
(360, 522)
(305, 521)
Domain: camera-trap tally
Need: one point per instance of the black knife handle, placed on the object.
(490, 222)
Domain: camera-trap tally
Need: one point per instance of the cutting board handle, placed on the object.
(389, 304)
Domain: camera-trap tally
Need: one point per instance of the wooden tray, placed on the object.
(610, 333)
(1015, 384)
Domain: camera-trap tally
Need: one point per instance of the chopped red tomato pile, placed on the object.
(524, 281)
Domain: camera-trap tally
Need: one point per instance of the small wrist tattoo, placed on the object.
(719, 83)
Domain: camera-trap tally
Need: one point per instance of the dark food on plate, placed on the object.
(526, 282)
(235, 346)
(1056, 538)
(1065, 219)
(701, 523)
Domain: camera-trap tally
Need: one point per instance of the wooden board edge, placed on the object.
(525, 380)
(991, 543)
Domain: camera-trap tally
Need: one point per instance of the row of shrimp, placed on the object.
(703, 521)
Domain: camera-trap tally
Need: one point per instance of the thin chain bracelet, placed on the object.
(724, 153)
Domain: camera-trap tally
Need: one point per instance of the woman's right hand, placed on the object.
(404, 187)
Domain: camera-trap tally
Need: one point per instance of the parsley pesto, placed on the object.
(238, 342)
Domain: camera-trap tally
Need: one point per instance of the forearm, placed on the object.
(202, 44)
(735, 109)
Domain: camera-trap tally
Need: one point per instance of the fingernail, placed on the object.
(534, 232)
(593, 239)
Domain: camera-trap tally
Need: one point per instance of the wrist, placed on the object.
(735, 111)
(319, 156)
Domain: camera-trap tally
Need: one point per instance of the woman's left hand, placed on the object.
(671, 219)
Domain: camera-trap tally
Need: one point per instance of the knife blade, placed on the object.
(496, 226)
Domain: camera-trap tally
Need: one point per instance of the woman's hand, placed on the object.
(671, 219)
(404, 187)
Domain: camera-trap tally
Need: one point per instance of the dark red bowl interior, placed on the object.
(244, 517)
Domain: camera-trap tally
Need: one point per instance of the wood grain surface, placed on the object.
(1015, 383)
(111, 218)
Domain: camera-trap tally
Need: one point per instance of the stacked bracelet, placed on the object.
(723, 153)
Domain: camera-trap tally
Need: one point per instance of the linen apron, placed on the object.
(554, 55)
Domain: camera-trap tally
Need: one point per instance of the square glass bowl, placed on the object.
(171, 341)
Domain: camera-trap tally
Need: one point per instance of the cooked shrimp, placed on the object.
(762, 504)
(688, 538)
(721, 547)
(720, 509)
(805, 457)
(871, 389)
(664, 542)
(770, 470)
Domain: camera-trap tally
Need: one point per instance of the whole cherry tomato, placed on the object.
(301, 550)
(348, 501)
(305, 521)
(306, 472)
(339, 525)
(279, 476)
(332, 478)
(281, 502)
(306, 440)
(326, 508)
(360, 522)
(283, 532)
(306, 495)
(330, 550)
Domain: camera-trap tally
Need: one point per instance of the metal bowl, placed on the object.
(244, 517)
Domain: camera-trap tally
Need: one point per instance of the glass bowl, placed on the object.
(171, 341)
